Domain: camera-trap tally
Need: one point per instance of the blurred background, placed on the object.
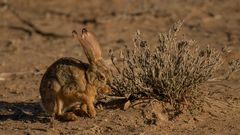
(33, 33)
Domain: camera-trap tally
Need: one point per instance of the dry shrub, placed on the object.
(233, 66)
(169, 72)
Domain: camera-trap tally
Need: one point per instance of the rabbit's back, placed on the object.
(66, 76)
(67, 70)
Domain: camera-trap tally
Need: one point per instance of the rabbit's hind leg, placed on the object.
(68, 116)
(61, 115)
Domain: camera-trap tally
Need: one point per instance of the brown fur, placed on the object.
(69, 81)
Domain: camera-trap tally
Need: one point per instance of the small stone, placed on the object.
(127, 105)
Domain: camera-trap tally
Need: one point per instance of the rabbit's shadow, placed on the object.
(32, 111)
(22, 111)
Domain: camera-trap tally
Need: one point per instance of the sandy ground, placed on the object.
(35, 33)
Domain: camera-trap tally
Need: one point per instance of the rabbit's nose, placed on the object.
(106, 89)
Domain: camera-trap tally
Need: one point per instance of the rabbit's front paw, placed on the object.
(92, 112)
(81, 111)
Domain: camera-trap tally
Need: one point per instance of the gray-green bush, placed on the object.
(170, 71)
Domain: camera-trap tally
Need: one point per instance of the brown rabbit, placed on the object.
(68, 81)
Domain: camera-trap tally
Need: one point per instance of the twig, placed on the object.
(29, 32)
(3, 75)
(36, 29)
(22, 111)
(106, 98)
(217, 79)
(114, 97)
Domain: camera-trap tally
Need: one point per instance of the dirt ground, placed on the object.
(35, 33)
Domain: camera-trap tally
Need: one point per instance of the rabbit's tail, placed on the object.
(49, 104)
(49, 95)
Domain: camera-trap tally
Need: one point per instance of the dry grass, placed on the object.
(234, 66)
(171, 71)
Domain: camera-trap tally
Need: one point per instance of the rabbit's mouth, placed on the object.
(105, 89)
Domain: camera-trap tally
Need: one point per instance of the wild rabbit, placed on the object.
(69, 81)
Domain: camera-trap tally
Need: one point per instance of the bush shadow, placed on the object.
(112, 104)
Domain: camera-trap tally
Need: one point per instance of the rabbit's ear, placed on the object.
(90, 45)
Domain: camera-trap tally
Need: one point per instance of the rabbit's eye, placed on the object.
(101, 77)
